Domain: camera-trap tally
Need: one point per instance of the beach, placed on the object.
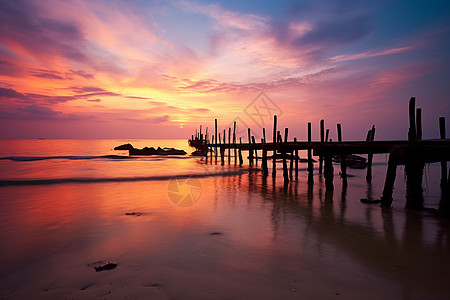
(181, 228)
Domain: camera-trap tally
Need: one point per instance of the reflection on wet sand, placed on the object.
(412, 250)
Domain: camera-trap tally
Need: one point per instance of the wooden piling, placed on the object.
(414, 165)
(222, 154)
(274, 159)
(328, 171)
(264, 161)
(310, 162)
(241, 161)
(419, 123)
(339, 132)
(370, 138)
(250, 150)
(264, 135)
(322, 138)
(256, 151)
(343, 158)
(215, 135)
(296, 159)
(283, 155)
(414, 172)
(326, 135)
(234, 142)
(210, 149)
(386, 198)
(412, 134)
(291, 164)
(229, 143)
(443, 163)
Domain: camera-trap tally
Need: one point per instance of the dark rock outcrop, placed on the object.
(124, 147)
(150, 151)
(159, 151)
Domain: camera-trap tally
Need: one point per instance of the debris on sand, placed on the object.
(137, 214)
(107, 267)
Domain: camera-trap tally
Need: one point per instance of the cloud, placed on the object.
(150, 120)
(369, 54)
(31, 112)
(25, 30)
(136, 97)
(11, 93)
(84, 89)
(47, 74)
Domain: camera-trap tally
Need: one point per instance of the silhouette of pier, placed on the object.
(414, 153)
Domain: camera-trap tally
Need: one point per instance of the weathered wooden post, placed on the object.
(328, 171)
(222, 154)
(256, 150)
(296, 159)
(241, 161)
(412, 134)
(326, 135)
(343, 159)
(283, 155)
(339, 132)
(310, 162)
(234, 143)
(443, 163)
(394, 155)
(210, 149)
(264, 161)
(419, 123)
(250, 150)
(264, 135)
(215, 135)
(370, 138)
(414, 164)
(291, 164)
(274, 159)
(229, 145)
(322, 138)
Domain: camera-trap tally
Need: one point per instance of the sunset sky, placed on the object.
(159, 69)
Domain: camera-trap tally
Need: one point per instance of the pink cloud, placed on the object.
(370, 54)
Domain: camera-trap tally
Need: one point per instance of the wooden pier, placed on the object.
(414, 153)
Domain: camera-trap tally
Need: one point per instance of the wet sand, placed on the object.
(243, 238)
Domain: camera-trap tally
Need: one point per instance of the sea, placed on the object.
(80, 220)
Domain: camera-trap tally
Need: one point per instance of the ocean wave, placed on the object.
(72, 157)
(117, 179)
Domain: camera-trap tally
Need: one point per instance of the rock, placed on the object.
(124, 147)
(143, 151)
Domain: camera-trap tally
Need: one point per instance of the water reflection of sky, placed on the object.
(273, 239)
